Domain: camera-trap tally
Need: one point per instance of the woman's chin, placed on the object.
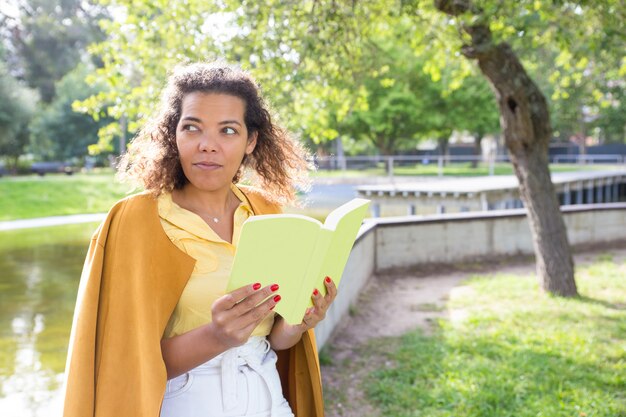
(213, 185)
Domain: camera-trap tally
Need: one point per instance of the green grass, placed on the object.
(452, 169)
(55, 195)
(511, 351)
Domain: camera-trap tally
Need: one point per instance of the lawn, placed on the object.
(508, 350)
(55, 195)
(453, 169)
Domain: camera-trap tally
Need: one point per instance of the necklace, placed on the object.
(206, 216)
(211, 217)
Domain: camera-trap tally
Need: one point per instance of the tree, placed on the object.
(524, 113)
(405, 105)
(473, 109)
(60, 133)
(399, 98)
(611, 119)
(17, 106)
(49, 38)
(527, 132)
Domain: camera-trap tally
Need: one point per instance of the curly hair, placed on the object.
(277, 165)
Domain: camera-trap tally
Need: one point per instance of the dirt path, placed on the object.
(390, 306)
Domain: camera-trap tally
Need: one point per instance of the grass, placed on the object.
(55, 195)
(508, 350)
(452, 169)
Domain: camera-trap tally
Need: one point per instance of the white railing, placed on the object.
(585, 159)
(389, 162)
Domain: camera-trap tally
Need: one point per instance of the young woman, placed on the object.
(154, 332)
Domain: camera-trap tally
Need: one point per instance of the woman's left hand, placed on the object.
(284, 335)
(321, 304)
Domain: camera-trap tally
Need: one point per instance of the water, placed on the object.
(39, 273)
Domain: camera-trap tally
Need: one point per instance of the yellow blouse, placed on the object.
(214, 259)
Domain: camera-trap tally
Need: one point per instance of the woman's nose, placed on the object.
(207, 143)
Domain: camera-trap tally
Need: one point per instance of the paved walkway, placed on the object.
(51, 221)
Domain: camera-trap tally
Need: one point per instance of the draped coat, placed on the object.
(131, 281)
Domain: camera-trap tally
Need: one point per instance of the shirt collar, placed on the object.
(192, 223)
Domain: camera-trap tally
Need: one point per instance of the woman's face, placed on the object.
(212, 139)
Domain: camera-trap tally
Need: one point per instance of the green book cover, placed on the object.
(296, 252)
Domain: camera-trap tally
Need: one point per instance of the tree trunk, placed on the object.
(525, 122)
(442, 145)
(13, 164)
(477, 149)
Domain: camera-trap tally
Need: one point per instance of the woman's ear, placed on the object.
(251, 142)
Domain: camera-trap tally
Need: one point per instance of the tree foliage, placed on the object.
(58, 132)
(315, 59)
(17, 106)
(48, 39)
(404, 105)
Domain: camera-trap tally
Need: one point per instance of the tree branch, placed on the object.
(453, 7)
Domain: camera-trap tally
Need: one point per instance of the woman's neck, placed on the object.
(214, 204)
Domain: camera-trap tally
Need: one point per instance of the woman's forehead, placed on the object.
(212, 104)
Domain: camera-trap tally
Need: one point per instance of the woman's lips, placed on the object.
(207, 166)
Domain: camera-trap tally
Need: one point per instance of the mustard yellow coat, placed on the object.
(132, 279)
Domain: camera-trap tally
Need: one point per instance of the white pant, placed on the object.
(242, 381)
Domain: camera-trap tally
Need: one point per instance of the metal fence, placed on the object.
(388, 165)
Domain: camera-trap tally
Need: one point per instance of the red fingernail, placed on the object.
(276, 299)
(315, 292)
(256, 286)
(328, 279)
(274, 287)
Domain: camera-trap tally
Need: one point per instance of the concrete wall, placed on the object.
(403, 242)
(359, 269)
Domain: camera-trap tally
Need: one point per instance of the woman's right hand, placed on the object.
(238, 313)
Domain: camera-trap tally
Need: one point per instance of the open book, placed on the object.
(296, 252)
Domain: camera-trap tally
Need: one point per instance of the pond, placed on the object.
(39, 274)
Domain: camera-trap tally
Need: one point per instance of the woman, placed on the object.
(154, 332)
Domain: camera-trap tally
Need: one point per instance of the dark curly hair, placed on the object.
(278, 163)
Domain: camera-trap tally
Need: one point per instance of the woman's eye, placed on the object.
(229, 131)
(190, 128)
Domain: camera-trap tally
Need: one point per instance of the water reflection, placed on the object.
(39, 273)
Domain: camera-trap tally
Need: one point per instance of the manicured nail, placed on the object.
(256, 286)
(315, 292)
(274, 287)
(328, 279)
(276, 299)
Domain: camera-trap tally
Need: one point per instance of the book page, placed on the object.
(346, 229)
(275, 249)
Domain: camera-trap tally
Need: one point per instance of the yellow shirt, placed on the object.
(214, 259)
